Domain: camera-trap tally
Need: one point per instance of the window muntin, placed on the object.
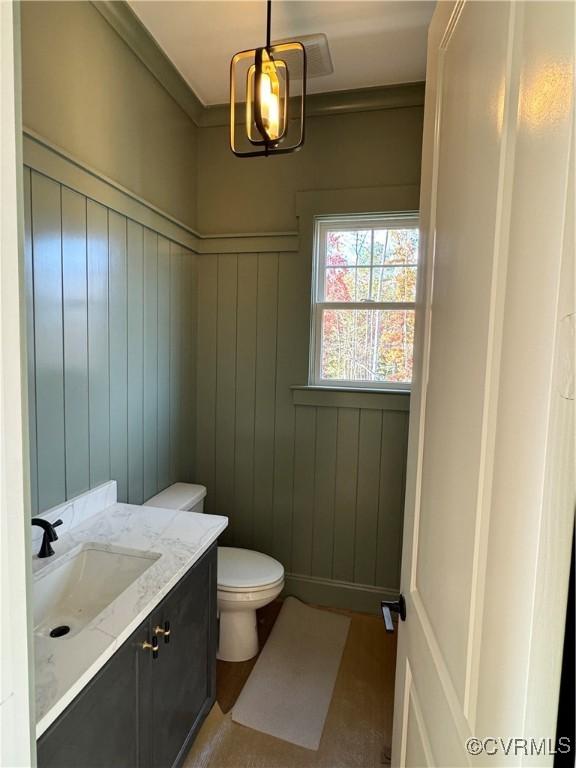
(364, 295)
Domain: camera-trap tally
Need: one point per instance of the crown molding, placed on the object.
(129, 27)
(338, 102)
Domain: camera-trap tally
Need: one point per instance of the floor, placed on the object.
(358, 728)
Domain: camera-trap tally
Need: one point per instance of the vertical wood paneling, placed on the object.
(206, 372)
(176, 430)
(391, 503)
(301, 483)
(142, 355)
(150, 363)
(322, 536)
(245, 397)
(163, 362)
(369, 450)
(135, 363)
(226, 389)
(304, 482)
(346, 490)
(288, 371)
(48, 333)
(111, 314)
(75, 318)
(98, 351)
(118, 303)
(188, 375)
(264, 412)
(30, 344)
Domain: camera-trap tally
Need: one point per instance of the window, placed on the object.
(363, 301)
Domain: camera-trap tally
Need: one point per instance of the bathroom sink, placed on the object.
(70, 592)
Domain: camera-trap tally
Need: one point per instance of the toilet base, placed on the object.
(238, 627)
(238, 635)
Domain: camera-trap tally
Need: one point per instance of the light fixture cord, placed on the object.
(268, 22)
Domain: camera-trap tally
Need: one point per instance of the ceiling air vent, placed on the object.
(318, 59)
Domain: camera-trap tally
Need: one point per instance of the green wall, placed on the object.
(86, 92)
(362, 149)
(111, 319)
(315, 481)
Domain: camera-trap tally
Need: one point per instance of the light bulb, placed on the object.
(270, 107)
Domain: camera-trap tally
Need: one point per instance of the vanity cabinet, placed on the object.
(144, 708)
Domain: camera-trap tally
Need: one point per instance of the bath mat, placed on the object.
(289, 690)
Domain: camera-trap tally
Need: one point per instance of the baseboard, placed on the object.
(337, 594)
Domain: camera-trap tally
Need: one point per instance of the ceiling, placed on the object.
(374, 42)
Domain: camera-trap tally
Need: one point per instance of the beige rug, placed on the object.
(289, 690)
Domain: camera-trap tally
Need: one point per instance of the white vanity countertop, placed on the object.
(63, 666)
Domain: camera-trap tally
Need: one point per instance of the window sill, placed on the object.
(351, 397)
(330, 388)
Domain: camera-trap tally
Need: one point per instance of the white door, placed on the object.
(491, 487)
(16, 654)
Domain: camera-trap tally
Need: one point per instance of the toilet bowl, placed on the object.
(247, 580)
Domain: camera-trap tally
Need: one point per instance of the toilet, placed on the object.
(247, 580)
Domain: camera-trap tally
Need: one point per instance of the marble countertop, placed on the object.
(63, 666)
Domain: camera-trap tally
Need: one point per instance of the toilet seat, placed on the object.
(243, 570)
(251, 593)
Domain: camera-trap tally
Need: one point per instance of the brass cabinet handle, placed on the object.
(153, 646)
(165, 631)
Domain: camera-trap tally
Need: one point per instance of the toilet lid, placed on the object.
(244, 568)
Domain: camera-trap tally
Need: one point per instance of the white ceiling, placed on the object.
(373, 42)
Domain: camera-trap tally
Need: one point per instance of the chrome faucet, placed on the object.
(49, 536)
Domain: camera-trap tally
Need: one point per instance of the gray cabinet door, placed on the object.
(183, 675)
(102, 726)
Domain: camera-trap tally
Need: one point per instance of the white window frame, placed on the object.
(322, 224)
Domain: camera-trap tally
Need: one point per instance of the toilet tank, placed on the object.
(188, 496)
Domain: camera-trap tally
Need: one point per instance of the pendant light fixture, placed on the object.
(267, 96)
